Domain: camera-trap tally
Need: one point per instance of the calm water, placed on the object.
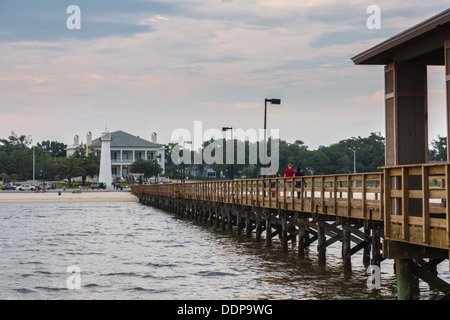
(131, 251)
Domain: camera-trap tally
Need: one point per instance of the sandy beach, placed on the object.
(66, 196)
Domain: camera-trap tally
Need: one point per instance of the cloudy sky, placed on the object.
(142, 66)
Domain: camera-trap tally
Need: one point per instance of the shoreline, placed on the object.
(59, 196)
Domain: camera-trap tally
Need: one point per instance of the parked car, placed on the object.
(98, 185)
(8, 186)
(48, 186)
(24, 187)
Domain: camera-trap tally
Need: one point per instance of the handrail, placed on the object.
(348, 195)
(411, 199)
(416, 198)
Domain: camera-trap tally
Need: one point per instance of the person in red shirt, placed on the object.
(289, 172)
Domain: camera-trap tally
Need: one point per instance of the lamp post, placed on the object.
(354, 158)
(34, 164)
(272, 101)
(183, 173)
(232, 143)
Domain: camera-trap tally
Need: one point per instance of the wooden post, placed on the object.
(349, 195)
(404, 271)
(268, 229)
(258, 225)
(447, 84)
(363, 195)
(447, 202)
(425, 206)
(223, 219)
(301, 240)
(248, 224)
(346, 255)
(366, 250)
(405, 203)
(335, 205)
(321, 241)
(230, 218)
(322, 194)
(406, 113)
(283, 235)
(238, 221)
(376, 248)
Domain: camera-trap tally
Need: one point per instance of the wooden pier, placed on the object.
(400, 213)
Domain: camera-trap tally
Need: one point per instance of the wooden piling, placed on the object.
(321, 241)
(346, 254)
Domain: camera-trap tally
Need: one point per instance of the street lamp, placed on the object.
(354, 158)
(183, 169)
(272, 101)
(232, 143)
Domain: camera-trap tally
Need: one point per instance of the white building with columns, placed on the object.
(125, 148)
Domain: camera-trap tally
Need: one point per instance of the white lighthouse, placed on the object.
(105, 175)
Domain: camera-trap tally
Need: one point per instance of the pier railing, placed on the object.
(417, 198)
(347, 195)
(412, 200)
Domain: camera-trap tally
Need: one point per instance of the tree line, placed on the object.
(52, 163)
(50, 160)
(334, 159)
(366, 154)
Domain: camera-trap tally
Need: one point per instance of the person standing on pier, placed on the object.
(298, 184)
(289, 172)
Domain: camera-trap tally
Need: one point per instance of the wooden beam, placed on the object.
(425, 206)
(447, 201)
(363, 195)
(430, 278)
(405, 201)
(387, 202)
(349, 206)
(402, 250)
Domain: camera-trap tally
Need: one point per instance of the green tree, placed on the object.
(16, 156)
(438, 152)
(89, 163)
(69, 168)
(147, 167)
(54, 148)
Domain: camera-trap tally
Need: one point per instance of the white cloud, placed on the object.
(204, 60)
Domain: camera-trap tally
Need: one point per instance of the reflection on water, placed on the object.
(130, 251)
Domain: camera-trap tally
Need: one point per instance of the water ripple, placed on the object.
(130, 251)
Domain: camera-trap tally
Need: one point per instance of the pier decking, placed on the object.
(400, 211)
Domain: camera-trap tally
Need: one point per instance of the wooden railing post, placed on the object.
(387, 203)
(363, 195)
(405, 203)
(425, 205)
(447, 203)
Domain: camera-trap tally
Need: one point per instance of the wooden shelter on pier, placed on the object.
(411, 226)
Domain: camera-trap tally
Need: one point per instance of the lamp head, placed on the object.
(274, 101)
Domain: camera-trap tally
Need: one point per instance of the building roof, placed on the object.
(123, 139)
(422, 43)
